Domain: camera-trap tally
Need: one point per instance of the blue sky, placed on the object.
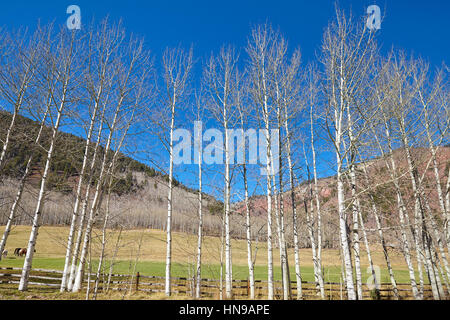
(419, 27)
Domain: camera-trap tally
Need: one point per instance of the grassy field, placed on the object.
(144, 251)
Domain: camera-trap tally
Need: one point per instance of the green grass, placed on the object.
(332, 274)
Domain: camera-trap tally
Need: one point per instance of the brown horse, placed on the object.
(22, 252)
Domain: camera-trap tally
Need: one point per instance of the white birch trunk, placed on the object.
(228, 265)
(310, 226)
(78, 282)
(319, 215)
(392, 168)
(76, 250)
(444, 212)
(270, 288)
(247, 220)
(351, 295)
(298, 276)
(105, 224)
(310, 223)
(280, 239)
(248, 236)
(438, 239)
(356, 213)
(168, 286)
(248, 230)
(369, 255)
(420, 229)
(200, 230)
(65, 75)
(281, 108)
(17, 107)
(96, 202)
(8, 135)
(222, 243)
(78, 198)
(23, 285)
(283, 250)
(17, 199)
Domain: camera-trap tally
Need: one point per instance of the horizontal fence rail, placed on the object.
(210, 288)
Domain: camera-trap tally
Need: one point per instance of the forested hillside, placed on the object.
(67, 159)
(132, 184)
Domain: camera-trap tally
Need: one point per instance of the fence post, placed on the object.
(137, 281)
(248, 287)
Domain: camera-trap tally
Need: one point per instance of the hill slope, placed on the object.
(139, 191)
(381, 188)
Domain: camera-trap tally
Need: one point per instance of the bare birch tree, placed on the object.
(384, 134)
(244, 117)
(177, 66)
(221, 85)
(17, 75)
(347, 51)
(259, 49)
(29, 58)
(102, 46)
(58, 79)
(312, 98)
(130, 99)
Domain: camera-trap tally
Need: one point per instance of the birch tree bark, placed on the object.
(98, 196)
(402, 95)
(333, 49)
(348, 50)
(311, 96)
(199, 146)
(177, 65)
(243, 122)
(222, 85)
(260, 45)
(101, 47)
(200, 231)
(285, 78)
(298, 276)
(81, 224)
(60, 71)
(96, 202)
(131, 87)
(393, 173)
(430, 103)
(18, 198)
(103, 54)
(318, 258)
(105, 225)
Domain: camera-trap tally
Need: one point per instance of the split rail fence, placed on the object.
(211, 288)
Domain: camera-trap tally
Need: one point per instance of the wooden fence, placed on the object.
(211, 288)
